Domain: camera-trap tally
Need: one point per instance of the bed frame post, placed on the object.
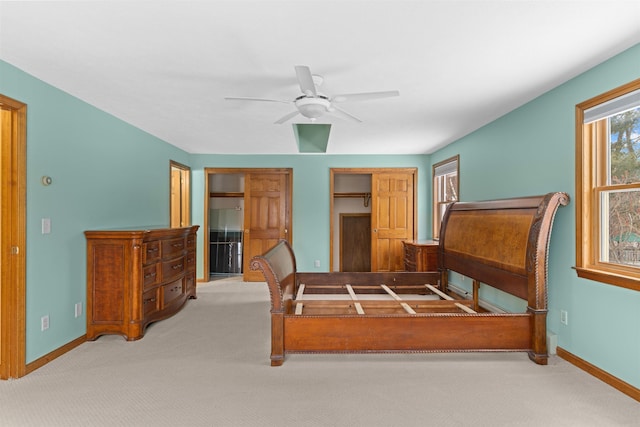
(277, 338)
(537, 258)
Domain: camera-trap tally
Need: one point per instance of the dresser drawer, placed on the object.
(172, 292)
(190, 260)
(191, 241)
(173, 247)
(151, 275)
(150, 302)
(150, 252)
(172, 269)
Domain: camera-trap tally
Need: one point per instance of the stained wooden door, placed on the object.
(392, 218)
(267, 206)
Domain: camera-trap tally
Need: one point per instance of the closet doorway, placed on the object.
(387, 196)
(247, 211)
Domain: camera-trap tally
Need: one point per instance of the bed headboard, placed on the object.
(501, 243)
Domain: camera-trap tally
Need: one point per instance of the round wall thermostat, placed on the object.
(46, 180)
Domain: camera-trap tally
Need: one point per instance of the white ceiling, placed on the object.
(166, 66)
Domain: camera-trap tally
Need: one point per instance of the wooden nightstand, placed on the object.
(420, 255)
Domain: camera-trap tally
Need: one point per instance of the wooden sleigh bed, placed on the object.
(499, 243)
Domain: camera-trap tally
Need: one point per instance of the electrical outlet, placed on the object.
(78, 309)
(564, 317)
(317, 263)
(44, 323)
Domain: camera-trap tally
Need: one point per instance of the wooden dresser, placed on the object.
(137, 276)
(420, 255)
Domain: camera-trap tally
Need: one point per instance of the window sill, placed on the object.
(624, 281)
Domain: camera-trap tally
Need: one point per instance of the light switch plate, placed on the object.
(46, 225)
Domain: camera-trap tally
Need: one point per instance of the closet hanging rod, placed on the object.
(227, 194)
(365, 196)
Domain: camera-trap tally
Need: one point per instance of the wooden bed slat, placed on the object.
(465, 308)
(404, 305)
(438, 292)
(357, 305)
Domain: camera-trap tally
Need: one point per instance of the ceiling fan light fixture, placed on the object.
(312, 108)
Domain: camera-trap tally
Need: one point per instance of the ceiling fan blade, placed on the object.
(338, 112)
(235, 98)
(287, 117)
(307, 86)
(365, 96)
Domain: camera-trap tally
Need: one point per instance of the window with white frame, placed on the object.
(445, 190)
(608, 187)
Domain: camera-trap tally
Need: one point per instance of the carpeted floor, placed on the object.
(209, 366)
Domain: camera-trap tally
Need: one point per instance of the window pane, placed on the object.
(451, 184)
(620, 227)
(624, 147)
(442, 208)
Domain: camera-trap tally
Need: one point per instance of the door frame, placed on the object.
(13, 179)
(214, 171)
(366, 171)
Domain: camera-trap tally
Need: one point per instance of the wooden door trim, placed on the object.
(364, 171)
(13, 156)
(214, 170)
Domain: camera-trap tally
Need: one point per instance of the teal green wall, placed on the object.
(311, 194)
(532, 151)
(105, 173)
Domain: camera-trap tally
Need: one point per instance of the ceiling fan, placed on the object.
(313, 104)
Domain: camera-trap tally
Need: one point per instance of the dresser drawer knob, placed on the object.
(176, 267)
